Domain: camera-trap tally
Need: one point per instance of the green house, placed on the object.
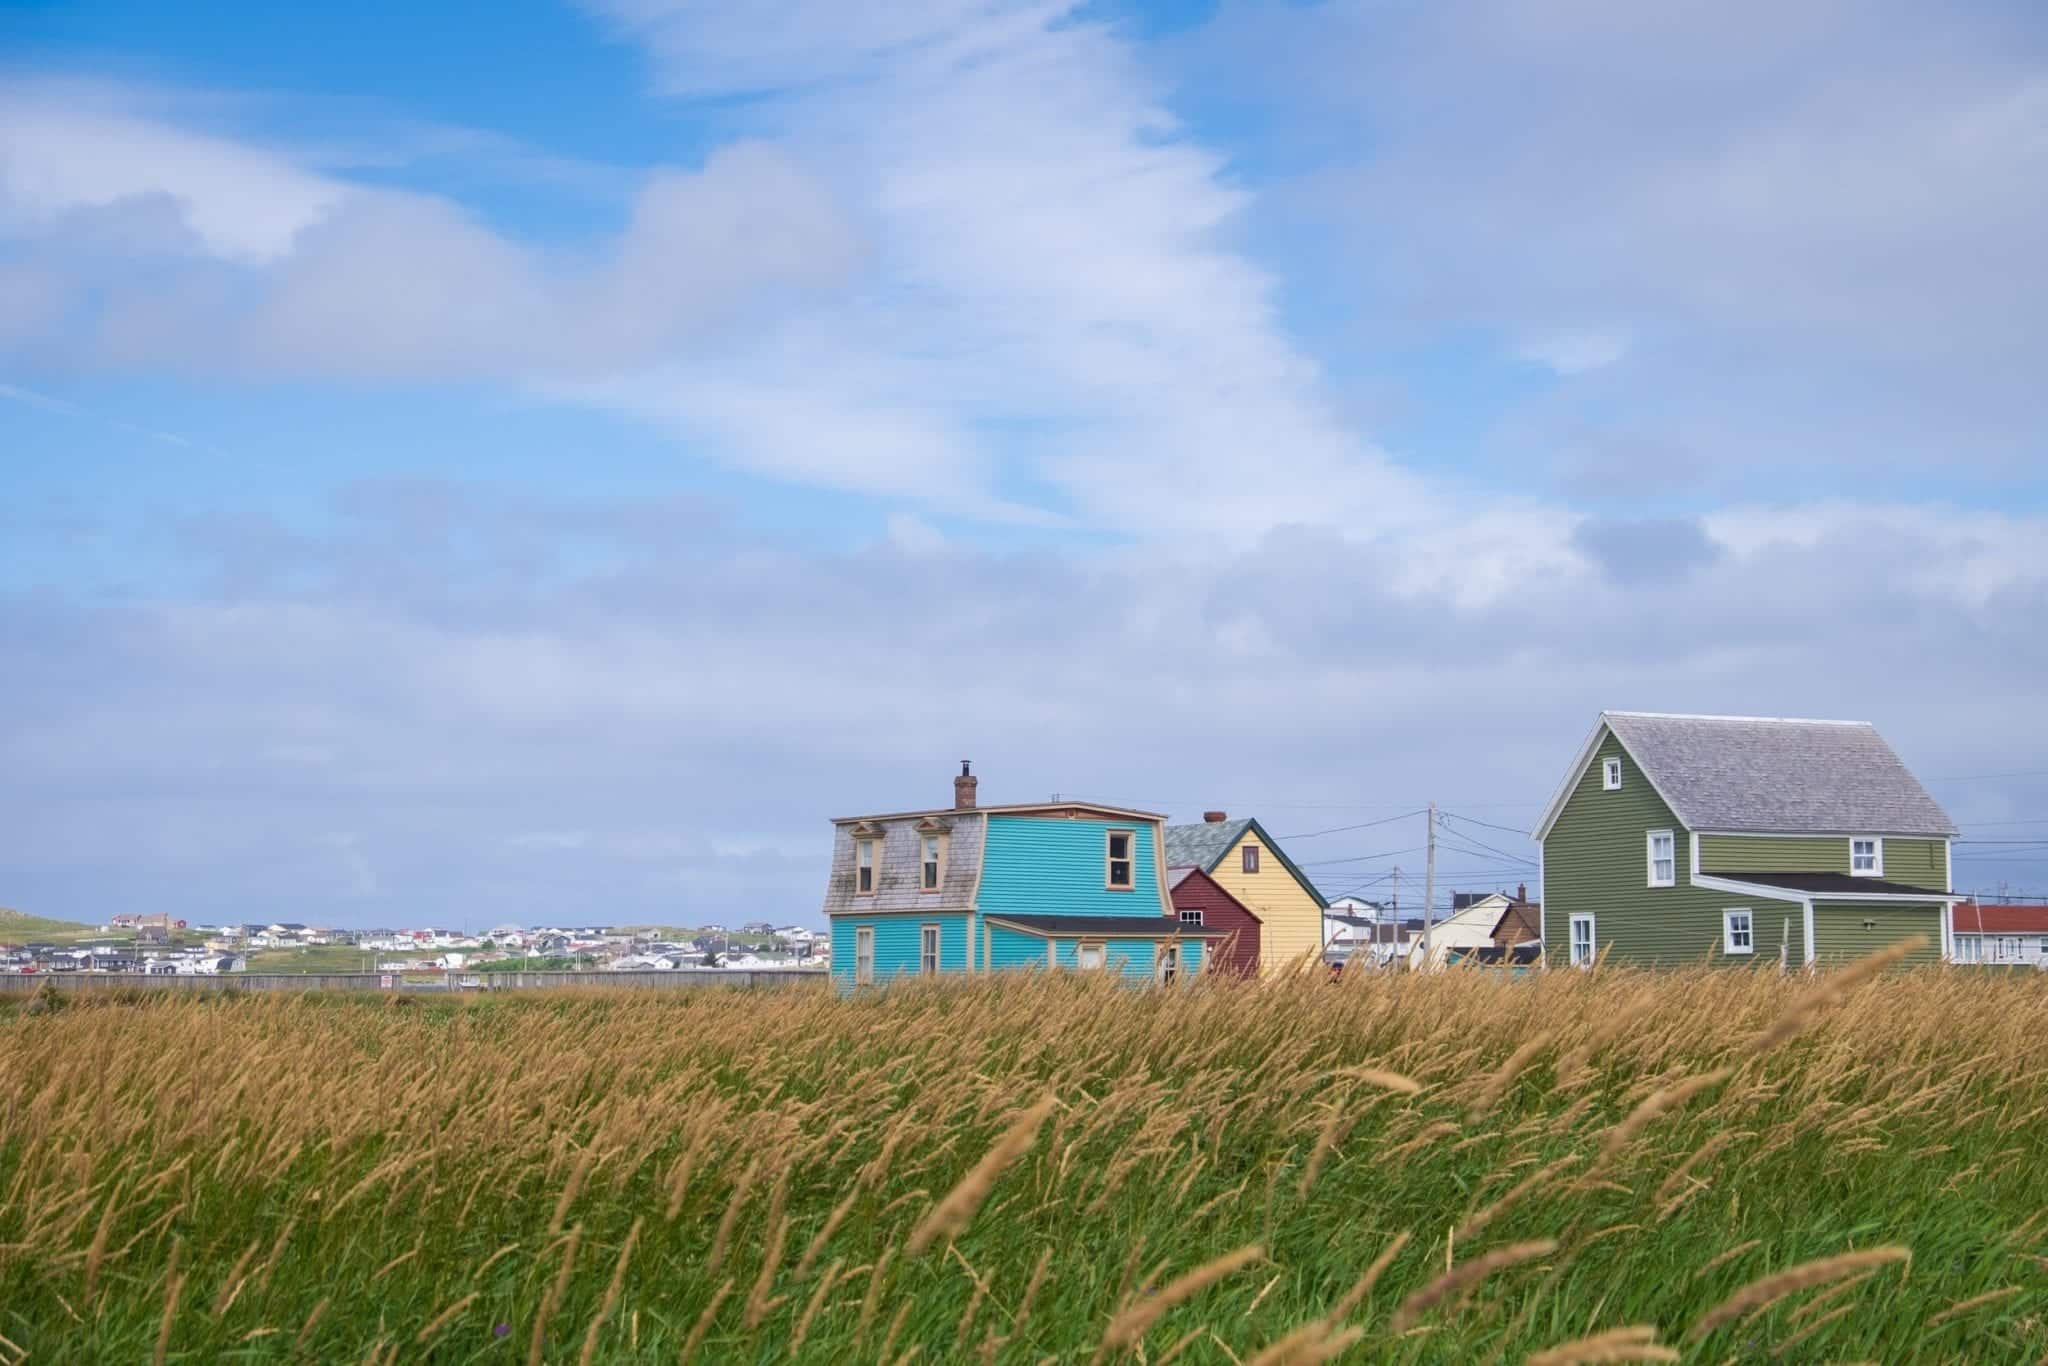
(1679, 839)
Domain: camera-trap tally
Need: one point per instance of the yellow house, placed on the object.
(1251, 866)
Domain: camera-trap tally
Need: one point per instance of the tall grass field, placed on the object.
(1708, 1166)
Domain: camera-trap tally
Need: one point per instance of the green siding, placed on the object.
(1595, 861)
(1839, 933)
(1916, 862)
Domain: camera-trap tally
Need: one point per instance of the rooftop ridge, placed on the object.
(1712, 716)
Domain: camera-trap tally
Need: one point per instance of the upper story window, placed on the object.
(1251, 858)
(1191, 916)
(1866, 857)
(864, 854)
(1663, 859)
(1610, 775)
(931, 862)
(1121, 874)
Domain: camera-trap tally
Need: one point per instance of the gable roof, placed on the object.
(1972, 918)
(1766, 774)
(1204, 844)
(1180, 873)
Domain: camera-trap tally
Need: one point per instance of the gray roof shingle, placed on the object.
(1202, 844)
(1763, 774)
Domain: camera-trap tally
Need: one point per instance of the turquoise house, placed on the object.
(968, 889)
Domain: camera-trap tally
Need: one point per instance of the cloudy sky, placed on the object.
(544, 468)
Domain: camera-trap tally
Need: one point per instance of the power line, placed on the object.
(1512, 830)
(1367, 825)
(1362, 858)
(1518, 858)
(1987, 777)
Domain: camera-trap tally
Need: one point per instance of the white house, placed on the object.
(1468, 926)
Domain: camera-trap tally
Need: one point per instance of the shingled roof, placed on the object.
(1202, 845)
(1205, 844)
(1772, 775)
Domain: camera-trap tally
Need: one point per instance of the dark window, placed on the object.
(1120, 858)
(1192, 917)
(1251, 858)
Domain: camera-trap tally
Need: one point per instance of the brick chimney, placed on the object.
(963, 788)
(1215, 817)
(1522, 892)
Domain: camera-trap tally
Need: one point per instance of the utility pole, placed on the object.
(1429, 888)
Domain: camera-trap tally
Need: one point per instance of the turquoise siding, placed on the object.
(897, 945)
(1136, 958)
(1132, 956)
(1012, 949)
(1035, 865)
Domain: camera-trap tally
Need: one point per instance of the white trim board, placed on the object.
(1766, 890)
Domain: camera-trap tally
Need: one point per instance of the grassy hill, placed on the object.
(19, 927)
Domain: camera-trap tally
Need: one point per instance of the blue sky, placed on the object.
(464, 471)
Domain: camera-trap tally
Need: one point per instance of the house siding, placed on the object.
(897, 945)
(1290, 920)
(1012, 949)
(1839, 934)
(1238, 956)
(1595, 861)
(1915, 862)
(1034, 865)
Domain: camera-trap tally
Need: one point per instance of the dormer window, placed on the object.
(864, 855)
(1120, 875)
(931, 862)
(1610, 775)
(1866, 856)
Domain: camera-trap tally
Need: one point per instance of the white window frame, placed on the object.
(1087, 946)
(1166, 963)
(930, 940)
(1876, 868)
(1728, 944)
(1650, 839)
(869, 848)
(1592, 950)
(931, 853)
(1129, 860)
(864, 956)
(1967, 948)
(1610, 774)
(2042, 948)
(1191, 915)
(2009, 950)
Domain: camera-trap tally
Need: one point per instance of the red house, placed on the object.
(1199, 899)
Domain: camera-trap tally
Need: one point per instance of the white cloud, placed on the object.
(1052, 294)
(240, 204)
(582, 739)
